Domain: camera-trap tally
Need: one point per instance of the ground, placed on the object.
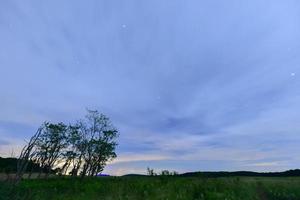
(163, 188)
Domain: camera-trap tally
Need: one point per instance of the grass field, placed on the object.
(171, 188)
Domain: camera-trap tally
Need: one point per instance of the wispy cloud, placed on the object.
(205, 83)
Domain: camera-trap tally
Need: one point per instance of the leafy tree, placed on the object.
(83, 148)
(50, 144)
(98, 142)
(74, 152)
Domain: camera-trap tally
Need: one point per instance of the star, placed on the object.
(124, 26)
(293, 74)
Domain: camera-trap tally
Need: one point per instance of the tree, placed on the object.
(26, 155)
(165, 172)
(168, 173)
(74, 152)
(50, 144)
(85, 147)
(98, 142)
(150, 172)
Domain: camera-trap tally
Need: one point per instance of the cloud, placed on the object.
(138, 157)
(188, 81)
(264, 164)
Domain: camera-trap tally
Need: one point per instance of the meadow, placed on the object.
(156, 188)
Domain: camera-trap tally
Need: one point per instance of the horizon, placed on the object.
(191, 86)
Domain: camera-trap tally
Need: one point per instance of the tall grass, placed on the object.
(140, 188)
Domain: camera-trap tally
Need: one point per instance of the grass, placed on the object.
(171, 188)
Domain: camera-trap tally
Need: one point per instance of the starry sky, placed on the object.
(190, 84)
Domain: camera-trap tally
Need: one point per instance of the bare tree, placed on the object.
(27, 153)
(150, 172)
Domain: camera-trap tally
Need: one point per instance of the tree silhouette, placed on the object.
(80, 149)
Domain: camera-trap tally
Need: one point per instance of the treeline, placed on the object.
(80, 149)
(9, 165)
(151, 172)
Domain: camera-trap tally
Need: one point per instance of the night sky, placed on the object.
(190, 84)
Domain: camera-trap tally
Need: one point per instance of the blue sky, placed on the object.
(191, 85)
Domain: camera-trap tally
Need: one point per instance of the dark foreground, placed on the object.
(171, 188)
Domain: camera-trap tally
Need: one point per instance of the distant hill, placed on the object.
(134, 175)
(295, 172)
(289, 173)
